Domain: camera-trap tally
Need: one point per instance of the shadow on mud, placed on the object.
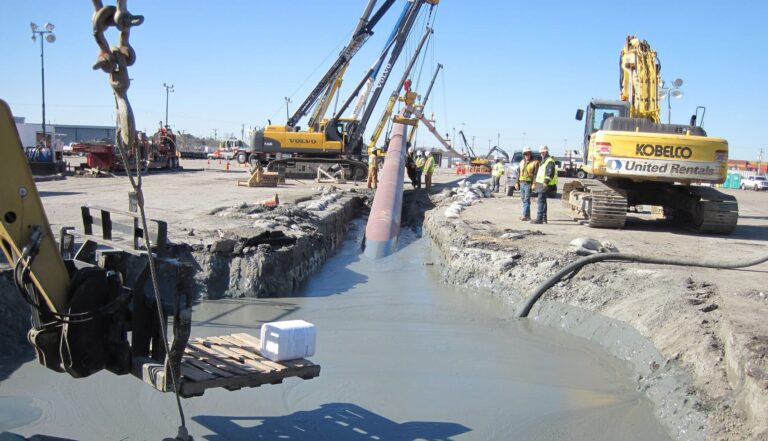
(333, 421)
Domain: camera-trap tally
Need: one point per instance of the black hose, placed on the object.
(621, 257)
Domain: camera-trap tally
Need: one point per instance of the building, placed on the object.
(741, 165)
(31, 134)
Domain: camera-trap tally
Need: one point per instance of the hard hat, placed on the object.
(543, 148)
(421, 153)
(527, 149)
(411, 150)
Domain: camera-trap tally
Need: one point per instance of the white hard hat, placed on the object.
(543, 148)
(411, 150)
(527, 149)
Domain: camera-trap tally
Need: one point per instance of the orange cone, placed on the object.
(274, 202)
(227, 165)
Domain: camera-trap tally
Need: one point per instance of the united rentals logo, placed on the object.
(649, 167)
(663, 151)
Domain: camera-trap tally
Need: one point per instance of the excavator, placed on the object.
(483, 164)
(637, 160)
(335, 141)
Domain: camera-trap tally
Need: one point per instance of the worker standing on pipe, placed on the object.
(429, 169)
(546, 183)
(420, 160)
(373, 168)
(497, 173)
(526, 173)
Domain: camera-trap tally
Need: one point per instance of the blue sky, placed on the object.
(510, 67)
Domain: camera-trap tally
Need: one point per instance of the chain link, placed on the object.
(114, 60)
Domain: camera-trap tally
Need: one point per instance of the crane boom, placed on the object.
(356, 136)
(396, 92)
(363, 30)
(419, 109)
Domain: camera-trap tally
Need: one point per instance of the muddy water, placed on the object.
(404, 358)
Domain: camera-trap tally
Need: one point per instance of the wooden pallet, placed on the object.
(260, 178)
(234, 361)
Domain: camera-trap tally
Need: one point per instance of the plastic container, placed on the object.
(287, 340)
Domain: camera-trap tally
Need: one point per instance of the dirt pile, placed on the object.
(275, 249)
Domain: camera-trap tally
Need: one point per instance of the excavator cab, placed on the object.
(598, 111)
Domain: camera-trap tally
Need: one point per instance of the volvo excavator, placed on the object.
(637, 160)
(335, 141)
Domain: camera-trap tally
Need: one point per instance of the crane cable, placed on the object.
(115, 61)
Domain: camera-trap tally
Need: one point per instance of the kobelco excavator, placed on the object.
(637, 160)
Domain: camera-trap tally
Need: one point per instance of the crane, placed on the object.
(639, 161)
(336, 140)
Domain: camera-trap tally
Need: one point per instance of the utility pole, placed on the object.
(168, 89)
(242, 131)
(215, 138)
(759, 162)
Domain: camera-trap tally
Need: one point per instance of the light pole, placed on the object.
(50, 38)
(669, 92)
(168, 89)
(287, 115)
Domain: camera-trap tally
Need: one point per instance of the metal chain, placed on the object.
(114, 60)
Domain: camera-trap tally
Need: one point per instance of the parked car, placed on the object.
(756, 183)
(222, 154)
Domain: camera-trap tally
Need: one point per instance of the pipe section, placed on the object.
(383, 226)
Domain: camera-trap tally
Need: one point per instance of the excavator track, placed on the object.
(307, 167)
(713, 212)
(599, 204)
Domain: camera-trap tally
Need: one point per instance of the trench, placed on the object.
(404, 357)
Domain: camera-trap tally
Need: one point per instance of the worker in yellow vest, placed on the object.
(373, 169)
(545, 184)
(527, 170)
(497, 172)
(429, 169)
(420, 160)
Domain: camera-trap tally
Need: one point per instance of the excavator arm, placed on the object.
(639, 79)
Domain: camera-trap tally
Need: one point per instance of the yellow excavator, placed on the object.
(637, 160)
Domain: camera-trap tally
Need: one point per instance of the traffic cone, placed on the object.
(274, 202)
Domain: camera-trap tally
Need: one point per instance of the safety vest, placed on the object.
(373, 163)
(429, 165)
(526, 170)
(420, 162)
(541, 176)
(498, 169)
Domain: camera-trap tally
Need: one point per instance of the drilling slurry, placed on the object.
(403, 358)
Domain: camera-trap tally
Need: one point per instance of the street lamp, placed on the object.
(287, 101)
(168, 89)
(668, 92)
(50, 38)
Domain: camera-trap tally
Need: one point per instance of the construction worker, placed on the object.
(373, 168)
(410, 165)
(497, 172)
(420, 160)
(545, 184)
(527, 170)
(429, 169)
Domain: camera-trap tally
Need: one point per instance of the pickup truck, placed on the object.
(756, 183)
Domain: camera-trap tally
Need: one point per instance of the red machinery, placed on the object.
(158, 153)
